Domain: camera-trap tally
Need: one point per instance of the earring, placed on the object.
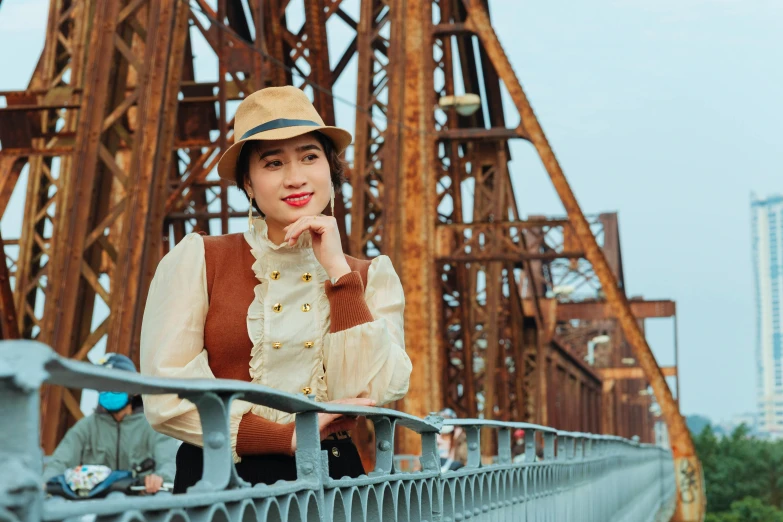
(332, 201)
(250, 212)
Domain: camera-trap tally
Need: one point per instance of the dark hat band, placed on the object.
(280, 123)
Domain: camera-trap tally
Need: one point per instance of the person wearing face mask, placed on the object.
(116, 435)
(452, 444)
(280, 305)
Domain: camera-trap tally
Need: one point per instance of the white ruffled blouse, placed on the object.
(367, 360)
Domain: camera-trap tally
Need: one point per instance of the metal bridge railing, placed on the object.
(573, 476)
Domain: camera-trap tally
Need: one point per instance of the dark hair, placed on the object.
(337, 165)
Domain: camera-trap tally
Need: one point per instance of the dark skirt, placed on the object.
(344, 461)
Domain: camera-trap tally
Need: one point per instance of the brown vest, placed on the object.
(230, 284)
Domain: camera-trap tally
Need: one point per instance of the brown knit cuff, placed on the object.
(259, 436)
(347, 304)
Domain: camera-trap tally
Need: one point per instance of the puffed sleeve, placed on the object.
(364, 352)
(172, 341)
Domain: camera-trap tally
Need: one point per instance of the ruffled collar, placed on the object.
(270, 257)
(258, 238)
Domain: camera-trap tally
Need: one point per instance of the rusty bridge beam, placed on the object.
(691, 503)
(494, 241)
(491, 134)
(105, 214)
(10, 169)
(506, 256)
(503, 226)
(8, 322)
(149, 166)
(599, 310)
(48, 137)
(578, 364)
(416, 220)
(58, 77)
(377, 160)
(632, 372)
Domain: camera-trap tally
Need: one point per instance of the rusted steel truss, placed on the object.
(115, 182)
(8, 324)
(499, 307)
(691, 499)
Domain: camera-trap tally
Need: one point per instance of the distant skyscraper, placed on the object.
(767, 218)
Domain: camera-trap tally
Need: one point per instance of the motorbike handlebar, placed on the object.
(147, 464)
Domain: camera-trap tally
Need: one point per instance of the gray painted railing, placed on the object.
(579, 477)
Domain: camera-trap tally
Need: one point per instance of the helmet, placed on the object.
(447, 413)
(118, 362)
(115, 401)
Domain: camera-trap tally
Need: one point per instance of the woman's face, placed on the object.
(290, 179)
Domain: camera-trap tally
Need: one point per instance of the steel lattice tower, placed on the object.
(121, 139)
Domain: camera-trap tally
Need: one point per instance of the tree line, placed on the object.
(743, 476)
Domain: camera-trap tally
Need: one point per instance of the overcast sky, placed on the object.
(666, 111)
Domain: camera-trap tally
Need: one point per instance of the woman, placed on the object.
(279, 305)
(452, 444)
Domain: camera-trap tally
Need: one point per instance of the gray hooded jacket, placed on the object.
(99, 439)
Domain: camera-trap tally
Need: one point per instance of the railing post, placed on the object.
(549, 479)
(549, 446)
(530, 445)
(22, 371)
(429, 452)
(474, 446)
(312, 464)
(504, 446)
(219, 472)
(384, 445)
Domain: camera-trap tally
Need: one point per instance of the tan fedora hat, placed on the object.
(276, 113)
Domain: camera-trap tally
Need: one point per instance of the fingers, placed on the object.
(343, 424)
(316, 224)
(301, 225)
(324, 419)
(304, 219)
(152, 483)
(327, 419)
(329, 423)
(295, 229)
(355, 401)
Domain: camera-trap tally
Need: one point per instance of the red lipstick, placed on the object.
(299, 200)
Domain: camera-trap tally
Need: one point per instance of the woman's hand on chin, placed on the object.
(326, 242)
(329, 423)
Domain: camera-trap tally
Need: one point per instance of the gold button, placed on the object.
(275, 275)
(307, 277)
(277, 346)
(306, 390)
(306, 307)
(309, 344)
(335, 451)
(277, 307)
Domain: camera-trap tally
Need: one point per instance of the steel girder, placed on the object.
(461, 262)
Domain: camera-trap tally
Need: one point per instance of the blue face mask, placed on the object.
(113, 401)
